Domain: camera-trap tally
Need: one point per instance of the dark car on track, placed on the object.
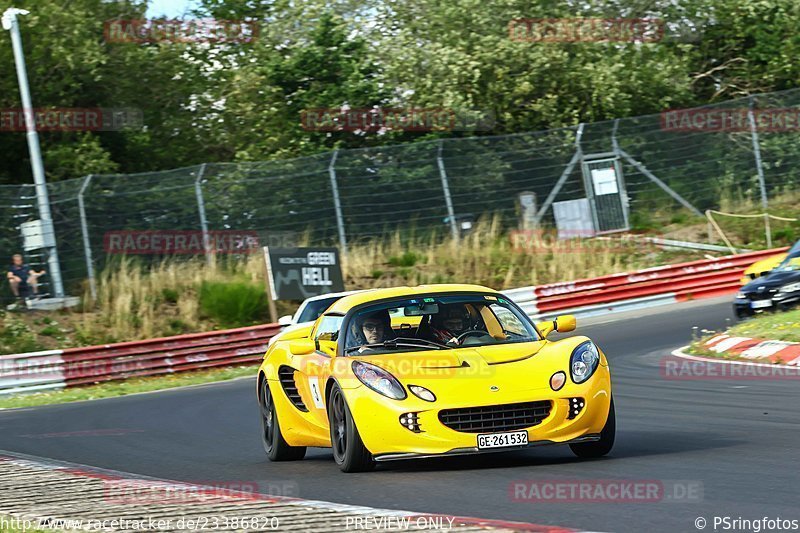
(777, 291)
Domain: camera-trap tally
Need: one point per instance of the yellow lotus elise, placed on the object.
(432, 371)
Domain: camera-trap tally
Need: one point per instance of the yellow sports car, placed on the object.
(430, 371)
(765, 266)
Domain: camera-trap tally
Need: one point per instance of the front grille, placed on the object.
(766, 294)
(496, 417)
(286, 377)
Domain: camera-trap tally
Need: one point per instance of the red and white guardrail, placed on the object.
(642, 288)
(71, 367)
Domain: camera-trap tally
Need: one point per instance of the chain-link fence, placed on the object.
(690, 160)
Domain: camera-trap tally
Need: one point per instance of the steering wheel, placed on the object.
(472, 332)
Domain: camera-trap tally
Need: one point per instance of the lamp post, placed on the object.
(10, 23)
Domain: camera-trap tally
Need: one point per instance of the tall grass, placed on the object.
(486, 256)
(135, 302)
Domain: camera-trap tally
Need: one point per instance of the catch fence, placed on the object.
(686, 161)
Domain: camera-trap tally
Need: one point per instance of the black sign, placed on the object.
(299, 273)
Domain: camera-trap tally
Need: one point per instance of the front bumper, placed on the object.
(475, 450)
(377, 419)
(745, 307)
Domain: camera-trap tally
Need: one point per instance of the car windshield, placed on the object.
(437, 323)
(314, 309)
(792, 261)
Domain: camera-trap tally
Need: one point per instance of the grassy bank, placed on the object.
(124, 388)
(182, 296)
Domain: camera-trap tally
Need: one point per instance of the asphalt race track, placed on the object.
(738, 439)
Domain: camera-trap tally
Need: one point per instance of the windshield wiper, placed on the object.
(394, 343)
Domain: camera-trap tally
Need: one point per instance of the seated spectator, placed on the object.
(22, 278)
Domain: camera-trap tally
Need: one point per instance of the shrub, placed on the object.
(234, 303)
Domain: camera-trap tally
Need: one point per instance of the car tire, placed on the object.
(599, 448)
(271, 437)
(349, 451)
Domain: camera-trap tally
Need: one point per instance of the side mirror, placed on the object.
(285, 320)
(561, 324)
(565, 323)
(302, 346)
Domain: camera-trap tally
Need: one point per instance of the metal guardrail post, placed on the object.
(564, 176)
(448, 200)
(87, 247)
(760, 169)
(652, 177)
(201, 209)
(337, 204)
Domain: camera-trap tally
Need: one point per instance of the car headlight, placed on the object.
(379, 380)
(584, 361)
(741, 295)
(792, 287)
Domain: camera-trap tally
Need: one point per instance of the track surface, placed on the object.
(738, 438)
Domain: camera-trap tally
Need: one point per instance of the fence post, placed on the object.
(87, 247)
(337, 204)
(762, 184)
(564, 175)
(201, 209)
(448, 200)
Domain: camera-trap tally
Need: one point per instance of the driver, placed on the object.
(450, 322)
(371, 328)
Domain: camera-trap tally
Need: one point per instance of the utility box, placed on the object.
(34, 236)
(574, 219)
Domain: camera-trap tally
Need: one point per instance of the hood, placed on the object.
(773, 280)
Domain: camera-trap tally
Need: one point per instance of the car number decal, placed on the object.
(313, 384)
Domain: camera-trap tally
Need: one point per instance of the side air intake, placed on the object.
(286, 377)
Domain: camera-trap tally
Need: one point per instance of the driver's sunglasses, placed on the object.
(372, 327)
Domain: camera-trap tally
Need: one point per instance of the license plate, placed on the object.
(502, 440)
(760, 304)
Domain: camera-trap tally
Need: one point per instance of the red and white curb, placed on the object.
(761, 350)
(50, 494)
(681, 353)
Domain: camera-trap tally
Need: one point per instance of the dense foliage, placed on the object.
(242, 101)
